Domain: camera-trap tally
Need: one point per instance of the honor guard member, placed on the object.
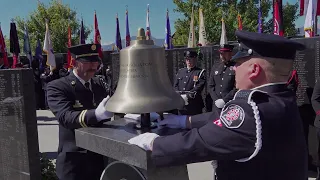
(222, 79)
(78, 101)
(258, 134)
(315, 100)
(189, 83)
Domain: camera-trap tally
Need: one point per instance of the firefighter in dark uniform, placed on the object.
(222, 79)
(258, 134)
(78, 101)
(315, 100)
(190, 82)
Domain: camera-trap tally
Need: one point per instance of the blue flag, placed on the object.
(82, 38)
(38, 56)
(168, 40)
(260, 30)
(118, 36)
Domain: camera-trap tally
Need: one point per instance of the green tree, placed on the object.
(214, 10)
(59, 17)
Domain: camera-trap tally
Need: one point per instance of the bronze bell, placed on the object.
(144, 85)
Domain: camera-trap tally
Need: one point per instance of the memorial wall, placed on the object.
(19, 149)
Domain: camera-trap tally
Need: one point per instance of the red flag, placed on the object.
(239, 22)
(302, 7)
(97, 37)
(69, 57)
(3, 49)
(278, 18)
(318, 8)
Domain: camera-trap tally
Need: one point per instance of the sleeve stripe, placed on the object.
(81, 118)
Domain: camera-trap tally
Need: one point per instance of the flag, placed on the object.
(69, 57)
(148, 32)
(26, 45)
(47, 48)
(278, 18)
(97, 37)
(118, 36)
(223, 38)
(82, 38)
(128, 38)
(310, 19)
(38, 56)
(303, 7)
(3, 49)
(14, 44)
(191, 40)
(239, 22)
(202, 29)
(260, 30)
(168, 40)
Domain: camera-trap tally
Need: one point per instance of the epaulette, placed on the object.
(246, 94)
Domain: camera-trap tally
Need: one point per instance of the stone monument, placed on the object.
(19, 149)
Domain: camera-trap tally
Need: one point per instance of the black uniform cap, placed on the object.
(86, 52)
(191, 54)
(226, 47)
(265, 45)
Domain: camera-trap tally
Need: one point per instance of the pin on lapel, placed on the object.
(195, 78)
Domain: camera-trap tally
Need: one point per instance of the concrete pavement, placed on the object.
(48, 144)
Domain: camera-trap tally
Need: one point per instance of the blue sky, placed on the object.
(106, 12)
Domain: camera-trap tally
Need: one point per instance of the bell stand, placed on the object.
(145, 122)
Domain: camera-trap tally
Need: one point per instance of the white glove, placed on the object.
(144, 141)
(219, 103)
(101, 112)
(185, 98)
(173, 121)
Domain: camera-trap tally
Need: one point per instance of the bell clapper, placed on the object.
(145, 123)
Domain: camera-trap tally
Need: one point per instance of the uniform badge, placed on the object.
(93, 47)
(216, 72)
(77, 104)
(232, 116)
(195, 78)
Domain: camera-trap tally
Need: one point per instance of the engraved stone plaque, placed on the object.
(307, 65)
(19, 149)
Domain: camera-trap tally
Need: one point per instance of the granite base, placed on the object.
(111, 140)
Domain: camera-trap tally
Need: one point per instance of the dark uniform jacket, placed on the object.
(191, 82)
(222, 83)
(258, 136)
(74, 106)
(315, 100)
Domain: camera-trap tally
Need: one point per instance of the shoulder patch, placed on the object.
(232, 116)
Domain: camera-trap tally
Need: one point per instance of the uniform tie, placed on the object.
(87, 85)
